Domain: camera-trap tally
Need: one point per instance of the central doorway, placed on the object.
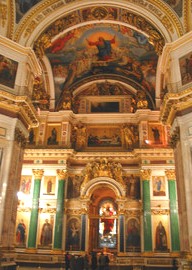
(103, 222)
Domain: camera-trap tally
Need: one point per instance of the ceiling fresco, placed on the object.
(98, 51)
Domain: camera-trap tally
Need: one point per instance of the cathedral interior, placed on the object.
(96, 132)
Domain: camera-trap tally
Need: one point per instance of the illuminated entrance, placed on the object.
(107, 225)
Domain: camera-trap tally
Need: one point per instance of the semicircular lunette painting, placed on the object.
(102, 50)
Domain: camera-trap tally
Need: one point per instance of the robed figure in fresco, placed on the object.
(20, 233)
(161, 237)
(108, 222)
(104, 47)
(46, 234)
(133, 234)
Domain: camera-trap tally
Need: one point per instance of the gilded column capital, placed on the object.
(145, 174)
(170, 174)
(38, 173)
(62, 174)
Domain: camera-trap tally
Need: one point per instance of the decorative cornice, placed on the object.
(173, 103)
(19, 105)
(38, 174)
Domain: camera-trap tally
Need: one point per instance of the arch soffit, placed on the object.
(93, 184)
(42, 16)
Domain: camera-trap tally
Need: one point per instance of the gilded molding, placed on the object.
(62, 174)
(11, 18)
(21, 105)
(187, 15)
(47, 210)
(170, 174)
(145, 174)
(173, 103)
(38, 173)
(171, 16)
(3, 12)
(160, 211)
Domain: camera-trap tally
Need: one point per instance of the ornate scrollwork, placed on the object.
(103, 168)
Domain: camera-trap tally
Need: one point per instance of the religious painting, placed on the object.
(133, 238)
(53, 135)
(93, 50)
(160, 237)
(46, 231)
(133, 190)
(104, 107)
(8, 69)
(31, 137)
(107, 225)
(185, 64)
(73, 186)
(156, 136)
(159, 186)
(73, 234)
(22, 228)
(25, 184)
(104, 137)
(49, 185)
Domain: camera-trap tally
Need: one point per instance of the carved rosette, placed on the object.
(62, 174)
(38, 174)
(170, 174)
(145, 174)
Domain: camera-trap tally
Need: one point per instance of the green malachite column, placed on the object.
(38, 174)
(57, 244)
(174, 217)
(145, 176)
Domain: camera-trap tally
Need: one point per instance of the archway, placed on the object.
(103, 212)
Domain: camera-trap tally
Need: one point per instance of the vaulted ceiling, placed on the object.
(96, 48)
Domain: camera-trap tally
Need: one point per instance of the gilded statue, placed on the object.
(81, 133)
(103, 168)
(129, 136)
